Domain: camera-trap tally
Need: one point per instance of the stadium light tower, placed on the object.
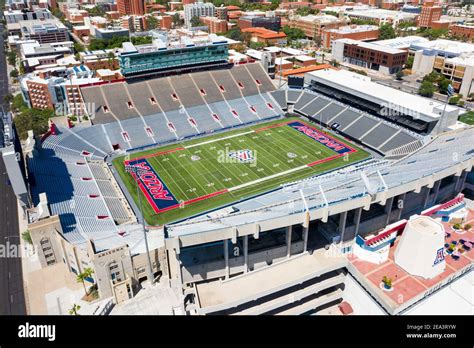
(138, 172)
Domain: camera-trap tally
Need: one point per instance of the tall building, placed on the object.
(215, 25)
(131, 7)
(314, 25)
(270, 23)
(198, 9)
(429, 14)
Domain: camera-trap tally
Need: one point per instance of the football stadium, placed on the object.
(216, 170)
(252, 196)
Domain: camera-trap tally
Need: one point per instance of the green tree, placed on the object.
(176, 19)
(409, 63)
(11, 58)
(195, 22)
(386, 32)
(427, 89)
(14, 73)
(399, 75)
(443, 85)
(152, 22)
(78, 47)
(257, 45)
(32, 119)
(234, 34)
(96, 11)
(74, 309)
(454, 100)
(293, 33)
(8, 98)
(26, 235)
(81, 278)
(18, 104)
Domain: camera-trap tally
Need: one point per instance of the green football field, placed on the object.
(184, 179)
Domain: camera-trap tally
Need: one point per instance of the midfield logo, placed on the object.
(243, 156)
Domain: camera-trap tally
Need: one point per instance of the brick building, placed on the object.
(428, 15)
(215, 25)
(314, 25)
(131, 7)
(463, 31)
(355, 32)
(385, 59)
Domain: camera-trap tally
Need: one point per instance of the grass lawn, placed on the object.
(194, 176)
(467, 118)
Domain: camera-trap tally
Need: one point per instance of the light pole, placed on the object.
(134, 169)
(282, 43)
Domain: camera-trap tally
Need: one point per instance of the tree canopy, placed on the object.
(386, 32)
(32, 119)
(293, 33)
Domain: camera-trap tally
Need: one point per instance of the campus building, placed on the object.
(453, 59)
(163, 56)
(262, 35)
(355, 32)
(381, 16)
(14, 16)
(131, 7)
(215, 25)
(44, 31)
(464, 31)
(368, 55)
(270, 23)
(314, 25)
(198, 9)
(429, 14)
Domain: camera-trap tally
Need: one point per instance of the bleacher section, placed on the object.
(82, 193)
(376, 133)
(70, 165)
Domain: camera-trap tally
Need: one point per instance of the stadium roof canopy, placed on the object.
(416, 106)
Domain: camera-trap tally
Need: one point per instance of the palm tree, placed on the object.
(74, 310)
(82, 277)
(88, 271)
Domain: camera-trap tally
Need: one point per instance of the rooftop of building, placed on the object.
(379, 13)
(37, 48)
(448, 46)
(371, 46)
(264, 33)
(183, 42)
(41, 26)
(466, 59)
(306, 69)
(318, 18)
(401, 42)
(410, 289)
(414, 104)
(348, 29)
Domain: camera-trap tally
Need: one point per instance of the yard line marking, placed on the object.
(266, 178)
(215, 140)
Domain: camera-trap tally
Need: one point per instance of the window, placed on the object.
(115, 272)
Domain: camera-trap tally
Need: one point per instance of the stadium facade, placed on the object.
(165, 57)
(280, 252)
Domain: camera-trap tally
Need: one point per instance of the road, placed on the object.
(12, 295)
